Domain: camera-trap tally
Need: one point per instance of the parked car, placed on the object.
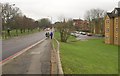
(76, 34)
(80, 32)
(83, 33)
(89, 34)
(47, 29)
(73, 34)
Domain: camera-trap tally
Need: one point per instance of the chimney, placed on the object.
(119, 4)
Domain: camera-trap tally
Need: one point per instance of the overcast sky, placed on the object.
(54, 9)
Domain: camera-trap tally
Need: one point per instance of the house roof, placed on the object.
(110, 15)
(113, 13)
(118, 9)
(77, 20)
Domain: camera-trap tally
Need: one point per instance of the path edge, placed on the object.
(57, 60)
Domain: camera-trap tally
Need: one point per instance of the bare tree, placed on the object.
(65, 28)
(8, 14)
(17, 23)
(95, 18)
(13, 19)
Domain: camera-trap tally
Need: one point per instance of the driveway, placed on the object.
(85, 37)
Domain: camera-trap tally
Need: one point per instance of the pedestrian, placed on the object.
(48, 34)
(51, 35)
(8, 31)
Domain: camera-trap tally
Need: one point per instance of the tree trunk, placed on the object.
(16, 32)
(28, 30)
(24, 30)
(63, 35)
(8, 32)
(21, 30)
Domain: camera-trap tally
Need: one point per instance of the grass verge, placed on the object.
(88, 57)
(13, 34)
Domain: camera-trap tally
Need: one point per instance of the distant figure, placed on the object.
(47, 34)
(51, 35)
(8, 31)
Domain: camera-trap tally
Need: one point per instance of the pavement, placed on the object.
(34, 61)
(14, 45)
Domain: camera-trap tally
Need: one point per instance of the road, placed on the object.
(14, 45)
(34, 61)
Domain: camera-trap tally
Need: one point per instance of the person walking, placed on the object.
(51, 34)
(47, 34)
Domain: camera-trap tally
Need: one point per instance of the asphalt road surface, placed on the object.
(85, 37)
(14, 45)
(34, 61)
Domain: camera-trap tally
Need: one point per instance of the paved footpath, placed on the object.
(34, 61)
(16, 44)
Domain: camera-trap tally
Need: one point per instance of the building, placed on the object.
(81, 24)
(112, 27)
(77, 22)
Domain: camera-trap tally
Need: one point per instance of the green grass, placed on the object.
(88, 57)
(54, 44)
